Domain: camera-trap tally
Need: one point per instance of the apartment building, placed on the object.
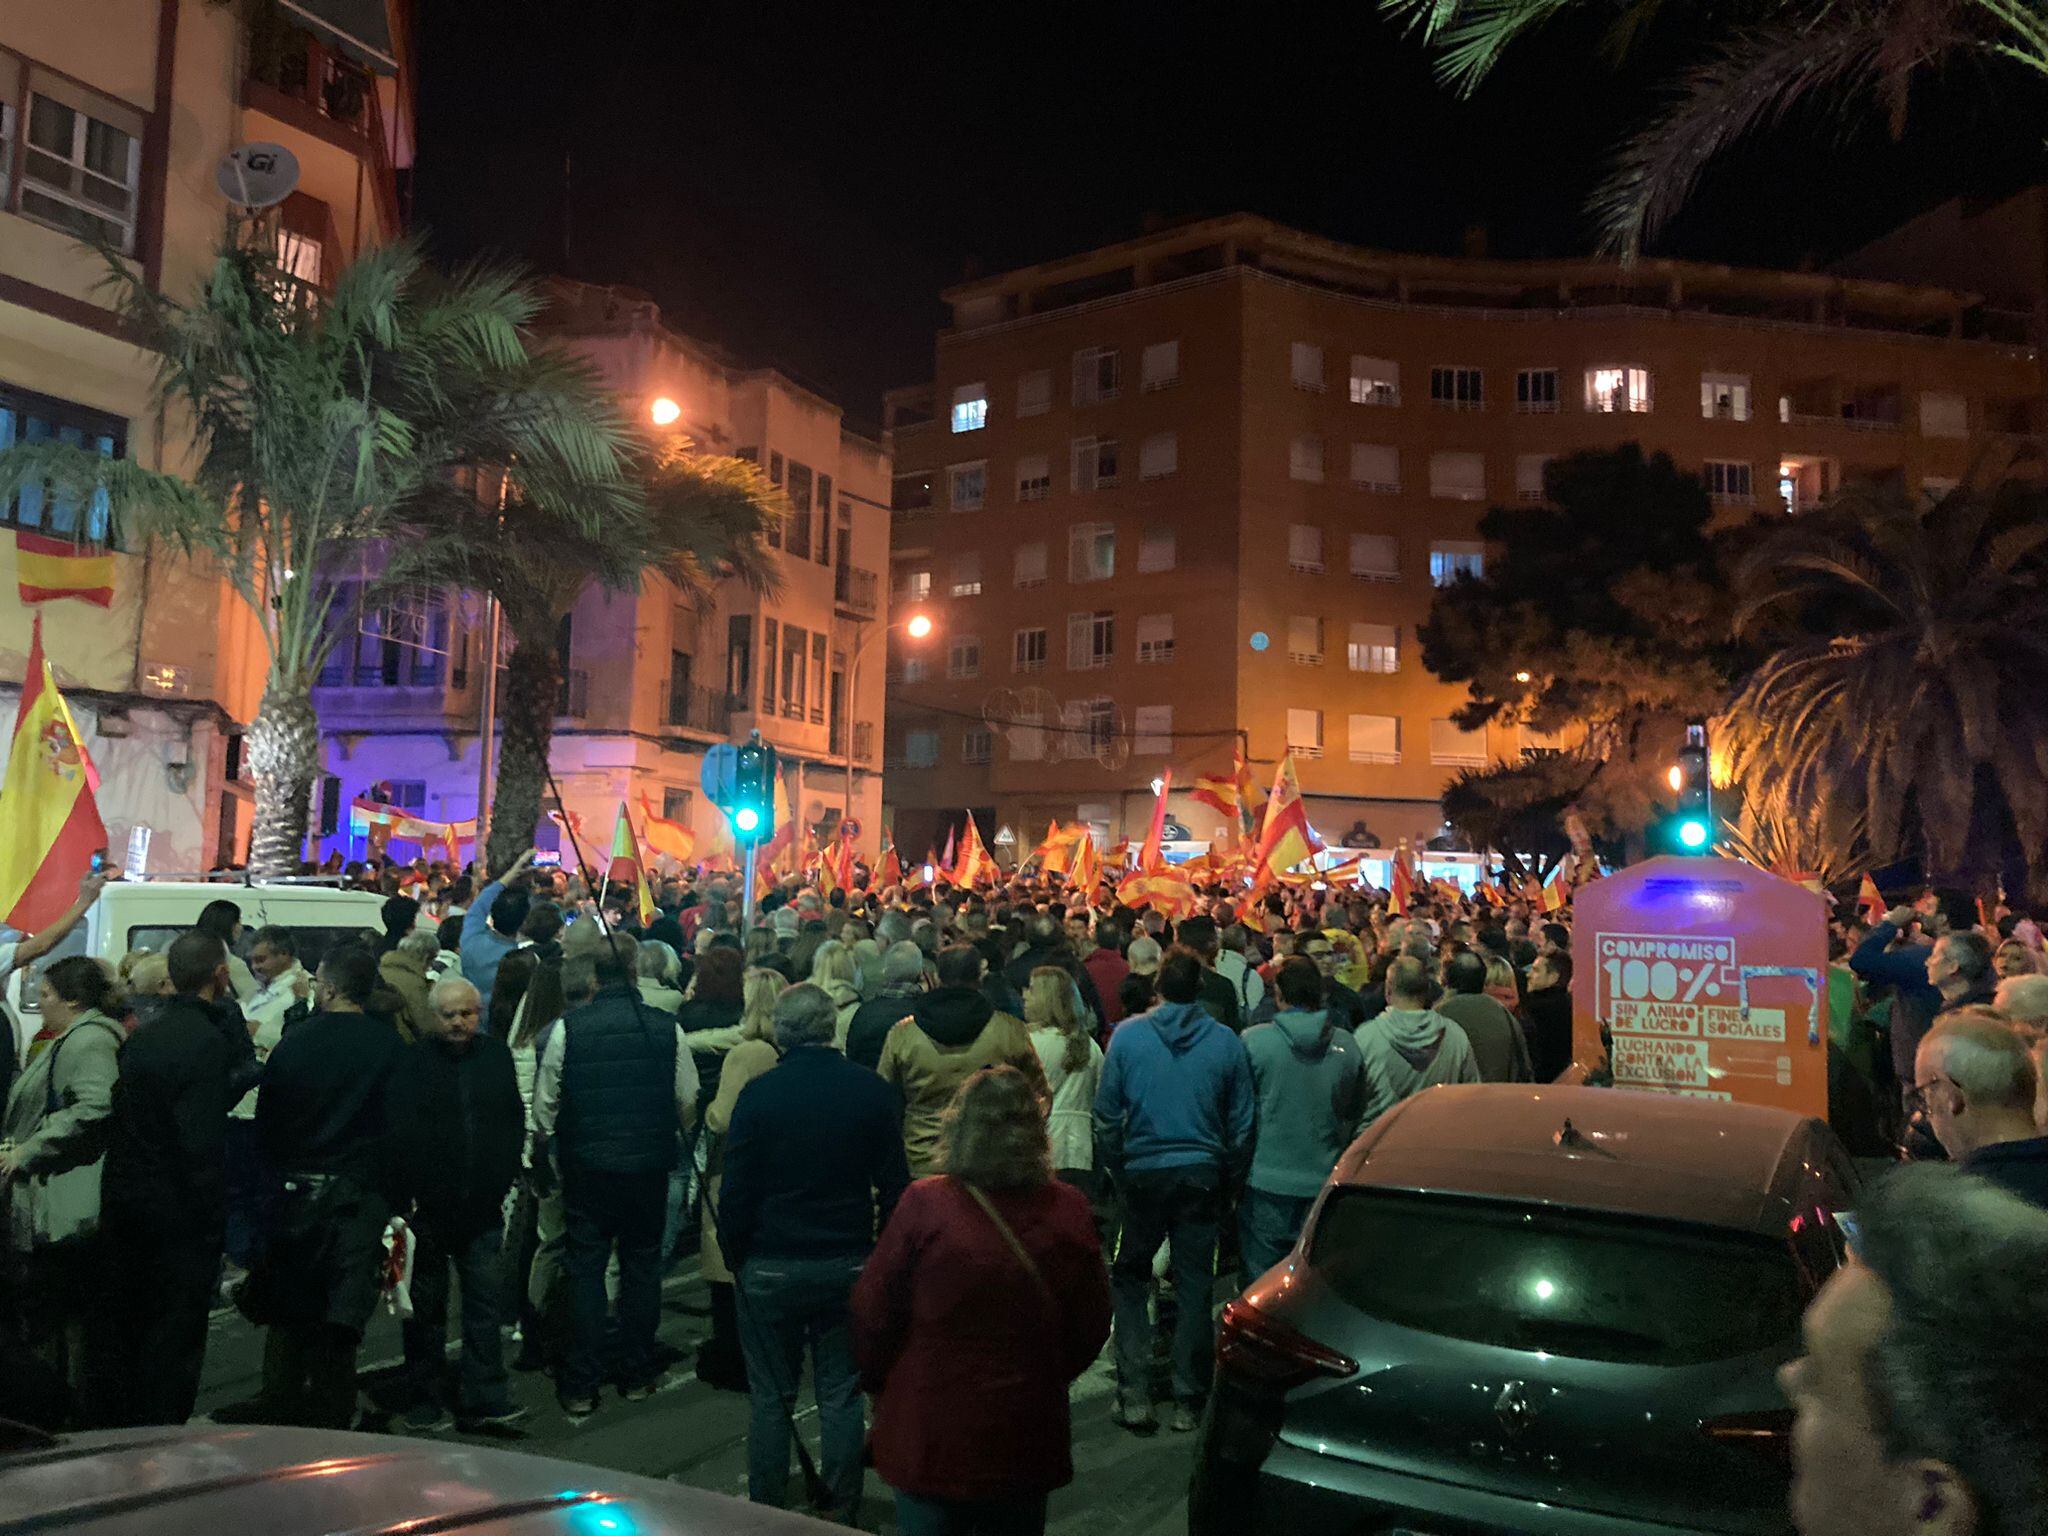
(1201, 486)
(653, 677)
(114, 116)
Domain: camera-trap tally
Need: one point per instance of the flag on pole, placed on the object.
(836, 863)
(46, 569)
(1556, 887)
(1153, 854)
(890, 870)
(1251, 805)
(1165, 888)
(1401, 884)
(946, 858)
(975, 864)
(1219, 794)
(1084, 869)
(627, 867)
(665, 836)
(50, 824)
(1286, 839)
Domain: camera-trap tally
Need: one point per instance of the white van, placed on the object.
(148, 914)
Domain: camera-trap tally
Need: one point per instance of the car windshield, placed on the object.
(1574, 1283)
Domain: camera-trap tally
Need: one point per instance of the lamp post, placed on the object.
(918, 626)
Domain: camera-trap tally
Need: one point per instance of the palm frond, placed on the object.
(142, 503)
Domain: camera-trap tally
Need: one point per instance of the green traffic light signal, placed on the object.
(1692, 832)
(746, 818)
(753, 801)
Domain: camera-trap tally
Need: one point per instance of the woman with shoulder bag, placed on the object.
(50, 1159)
(985, 1298)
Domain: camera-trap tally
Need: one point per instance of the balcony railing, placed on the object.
(854, 591)
(699, 709)
(864, 741)
(573, 699)
(288, 62)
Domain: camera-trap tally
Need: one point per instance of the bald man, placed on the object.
(1976, 1079)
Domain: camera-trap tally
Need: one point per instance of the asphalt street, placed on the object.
(1125, 1485)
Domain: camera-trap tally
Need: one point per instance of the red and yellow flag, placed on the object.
(1152, 855)
(1251, 805)
(1287, 839)
(1165, 888)
(665, 836)
(1556, 889)
(50, 824)
(1084, 869)
(1219, 794)
(1401, 883)
(835, 864)
(46, 569)
(974, 863)
(627, 867)
(1869, 900)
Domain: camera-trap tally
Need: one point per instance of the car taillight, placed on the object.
(1767, 1432)
(1261, 1351)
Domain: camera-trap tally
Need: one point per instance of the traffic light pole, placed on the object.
(752, 849)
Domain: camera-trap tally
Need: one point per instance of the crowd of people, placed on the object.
(939, 1147)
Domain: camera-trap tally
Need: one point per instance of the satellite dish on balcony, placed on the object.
(257, 175)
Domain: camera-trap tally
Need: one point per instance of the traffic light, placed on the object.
(753, 801)
(1695, 824)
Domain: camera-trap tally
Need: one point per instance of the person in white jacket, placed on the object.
(1062, 1032)
(1235, 966)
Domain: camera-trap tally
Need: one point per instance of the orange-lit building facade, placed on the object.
(1206, 482)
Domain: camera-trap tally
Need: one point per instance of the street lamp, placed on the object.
(1676, 777)
(918, 626)
(664, 411)
(1521, 677)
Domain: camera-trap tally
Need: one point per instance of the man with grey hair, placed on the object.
(814, 1164)
(1976, 1080)
(1918, 1408)
(903, 977)
(892, 927)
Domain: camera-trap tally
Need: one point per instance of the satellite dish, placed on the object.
(257, 175)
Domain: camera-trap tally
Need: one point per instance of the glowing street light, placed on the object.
(1521, 677)
(919, 625)
(1676, 777)
(664, 412)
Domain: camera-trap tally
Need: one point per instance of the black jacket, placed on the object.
(701, 1013)
(1218, 999)
(618, 1112)
(872, 1020)
(2020, 1166)
(1547, 1012)
(322, 1105)
(1018, 974)
(814, 1160)
(167, 1130)
(457, 1122)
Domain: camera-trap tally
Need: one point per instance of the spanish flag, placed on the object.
(1251, 805)
(1165, 888)
(1219, 794)
(975, 864)
(50, 824)
(835, 864)
(1287, 838)
(1555, 893)
(46, 569)
(665, 836)
(626, 867)
(1401, 883)
(1869, 900)
(1084, 869)
(1152, 855)
(890, 871)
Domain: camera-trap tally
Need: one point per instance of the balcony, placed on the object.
(573, 698)
(698, 709)
(299, 80)
(1828, 402)
(854, 592)
(864, 741)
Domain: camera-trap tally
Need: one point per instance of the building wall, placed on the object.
(1248, 515)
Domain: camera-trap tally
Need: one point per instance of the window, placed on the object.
(1158, 455)
(1724, 396)
(1536, 391)
(1376, 467)
(739, 649)
(977, 745)
(1728, 482)
(916, 669)
(1034, 477)
(1305, 640)
(1152, 730)
(1618, 390)
(1027, 653)
(1306, 362)
(1099, 716)
(916, 586)
(1944, 415)
(1156, 548)
(774, 468)
(680, 664)
(1155, 639)
(1375, 557)
(1305, 732)
(10, 92)
(1305, 458)
(822, 550)
(32, 418)
(921, 749)
(1091, 552)
(1458, 476)
(795, 671)
(967, 486)
(1375, 738)
(1030, 565)
(1375, 381)
(298, 256)
(1451, 558)
(1457, 389)
(769, 631)
(1027, 738)
(970, 407)
(1159, 365)
(1374, 648)
(1092, 462)
(1091, 641)
(798, 531)
(963, 656)
(912, 492)
(81, 165)
(965, 577)
(1529, 469)
(818, 678)
(1095, 375)
(675, 805)
(1305, 548)
(1451, 746)
(1034, 392)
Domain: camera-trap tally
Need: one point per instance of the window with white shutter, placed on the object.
(1305, 457)
(1529, 475)
(1376, 467)
(1458, 476)
(1943, 415)
(1155, 638)
(1155, 551)
(1375, 557)
(965, 577)
(1306, 361)
(1091, 551)
(1027, 739)
(1374, 648)
(1375, 738)
(1158, 455)
(1305, 732)
(1030, 567)
(1034, 477)
(1159, 365)
(1451, 747)
(1034, 392)
(1305, 640)
(1305, 548)
(1095, 375)
(1152, 730)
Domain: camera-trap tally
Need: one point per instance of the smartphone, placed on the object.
(99, 861)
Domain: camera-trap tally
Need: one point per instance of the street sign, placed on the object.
(1006, 837)
(720, 773)
(1711, 976)
(849, 827)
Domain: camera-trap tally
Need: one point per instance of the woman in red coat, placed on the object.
(983, 1301)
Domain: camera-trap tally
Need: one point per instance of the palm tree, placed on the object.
(1773, 56)
(693, 518)
(1902, 704)
(322, 421)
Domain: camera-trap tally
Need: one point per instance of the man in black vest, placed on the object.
(615, 1089)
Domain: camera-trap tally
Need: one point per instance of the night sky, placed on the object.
(797, 182)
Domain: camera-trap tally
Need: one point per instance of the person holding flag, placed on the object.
(975, 863)
(627, 868)
(1286, 838)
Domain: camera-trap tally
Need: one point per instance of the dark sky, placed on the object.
(797, 182)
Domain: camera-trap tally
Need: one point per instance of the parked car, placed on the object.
(1542, 1310)
(297, 1482)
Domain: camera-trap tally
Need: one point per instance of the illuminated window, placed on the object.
(1617, 390)
(970, 407)
(1375, 381)
(1451, 558)
(1374, 648)
(1724, 396)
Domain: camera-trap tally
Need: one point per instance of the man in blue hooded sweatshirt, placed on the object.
(1173, 1130)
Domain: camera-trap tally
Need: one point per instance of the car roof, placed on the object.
(1630, 1152)
(238, 892)
(295, 1482)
